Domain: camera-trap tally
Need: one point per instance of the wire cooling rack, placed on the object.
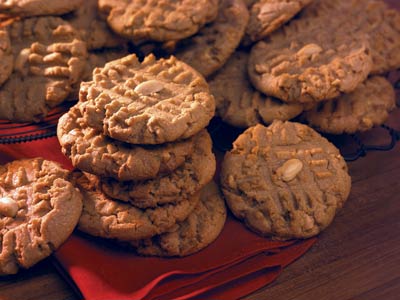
(352, 147)
(11, 133)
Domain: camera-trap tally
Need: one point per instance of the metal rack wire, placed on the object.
(11, 133)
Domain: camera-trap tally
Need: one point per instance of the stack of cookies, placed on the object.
(138, 137)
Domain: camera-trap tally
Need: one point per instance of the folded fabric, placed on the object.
(236, 264)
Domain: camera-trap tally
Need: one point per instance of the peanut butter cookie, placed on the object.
(308, 62)
(199, 230)
(48, 59)
(368, 106)
(29, 8)
(39, 209)
(148, 102)
(208, 50)
(156, 20)
(268, 15)
(284, 181)
(112, 219)
(96, 59)
(91, 151)
(6, 57)
(186, 180)
(239, 104)
(374, 18)
(93, 28)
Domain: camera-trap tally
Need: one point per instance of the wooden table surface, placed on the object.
(357, 257)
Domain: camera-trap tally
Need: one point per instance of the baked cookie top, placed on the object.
(186, 180)
(208, 50)
(239, 104)
(155, 20)
(268, 15)
(6, 57)
(107, 218)
(39, 208)
(93, 152)
(94, 28)
(368, 106)
(285, 180)
(195, 233)
(374, 18)
(148, 102)
(48, 58)
(309, 61)
(94, 60)
(28, 8)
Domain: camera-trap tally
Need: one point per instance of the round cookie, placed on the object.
(368, 106)
(156, 20)
(268, 15)
(211, 47)
(48, 59)
(39, 209)
(6, 57)
(285, 180)
(91, 151)
(374, 18)
(239, 104)
(93, 28)
(197, 170)
(94, 60)
(195, 233)
(307, 62)
(148, 102)
(107, 218)
(29, 8)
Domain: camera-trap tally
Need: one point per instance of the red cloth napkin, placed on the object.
(236, 264)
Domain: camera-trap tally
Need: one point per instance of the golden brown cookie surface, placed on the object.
(196, 232)
(39, 208)
(148, 102)
(107, 218)
(28, 8)
(156, 20)
(268, 15)
(369, 105)
(91, 151)
(6, 57)
(375, 18)
(48, 58)
(208, 50)
(308, 63)
(239, 104)
(93, 28)
(186, 180)
(285, 180)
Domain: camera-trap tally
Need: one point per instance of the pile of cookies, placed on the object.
(46, 50)
(329, 61)
(137, 134)
(138, 137)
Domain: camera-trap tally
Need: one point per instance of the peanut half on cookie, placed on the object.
(284, 181)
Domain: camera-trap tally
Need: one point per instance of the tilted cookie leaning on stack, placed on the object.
(138, 135)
